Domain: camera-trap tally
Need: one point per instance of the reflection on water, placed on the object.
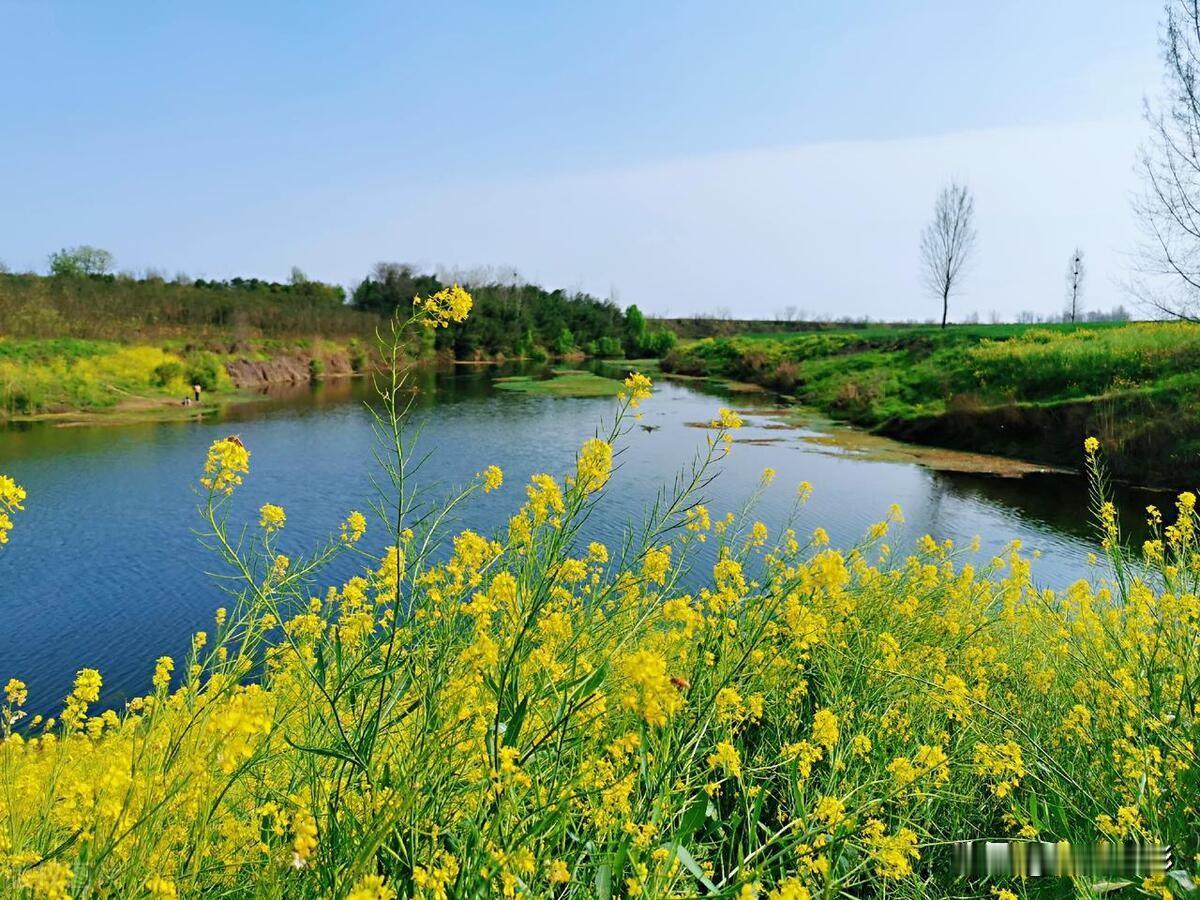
(104, 569)
(1058, 501)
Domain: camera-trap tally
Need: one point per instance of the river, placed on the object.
(104, 570)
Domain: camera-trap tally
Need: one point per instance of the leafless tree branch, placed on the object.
(948, 242)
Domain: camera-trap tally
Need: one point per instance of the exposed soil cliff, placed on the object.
(248, 373)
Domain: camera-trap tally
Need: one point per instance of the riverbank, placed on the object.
(71, 381)
(1032, 392)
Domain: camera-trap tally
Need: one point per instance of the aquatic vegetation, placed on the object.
(709, 707)
(561, 383)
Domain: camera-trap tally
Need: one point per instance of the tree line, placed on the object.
(511, 318)
(83, 297)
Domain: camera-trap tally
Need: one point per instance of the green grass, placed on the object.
(561, 383)
(60, 348)
(894, 379)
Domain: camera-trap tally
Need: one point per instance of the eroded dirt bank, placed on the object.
(291, 369)
(1143, 440)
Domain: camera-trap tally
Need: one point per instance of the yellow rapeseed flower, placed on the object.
(228, 460)
(162, 673)
(891, 853)
(15, 692)
(271, 517)
(49, 881)
(727, 420)
(594, 466)
(452, 304)
(371, 887)
(304, 837)
(825, 728)
(12, 495)
(493, 478)
(651, 694)
(639, 389)
(830, 811)
(159, 886)
(354, 527)
(790, 889)
(726, 758)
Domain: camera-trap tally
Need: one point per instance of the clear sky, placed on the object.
(686, 156)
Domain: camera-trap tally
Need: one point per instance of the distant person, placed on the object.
(196, 392)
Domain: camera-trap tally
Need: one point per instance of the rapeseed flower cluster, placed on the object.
(228, 460)
(447, 306)
(271, 517)
(12, 495)
(537, 713)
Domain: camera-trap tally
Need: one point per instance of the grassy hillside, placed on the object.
(1032, 391)
(39, 377)
(106, 307)
(96, 342)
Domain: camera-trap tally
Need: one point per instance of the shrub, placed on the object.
(787, 376)
(608, 347)
(316, 368)
(206, 370)
(658, 343)
(167, 372)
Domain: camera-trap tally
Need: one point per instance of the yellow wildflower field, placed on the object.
(537, 714)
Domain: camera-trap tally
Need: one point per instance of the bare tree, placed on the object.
(1169, 206)
(1075, 286)
(948, 242)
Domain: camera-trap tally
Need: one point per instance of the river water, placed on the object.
(104, 570)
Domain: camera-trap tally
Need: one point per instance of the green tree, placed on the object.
(392, 286)
(658, 343)
(81, 261)
(608, 347)
(635, 330)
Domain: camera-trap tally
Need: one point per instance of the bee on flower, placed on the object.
(228, 460)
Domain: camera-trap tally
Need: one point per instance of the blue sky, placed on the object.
(685, 156)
